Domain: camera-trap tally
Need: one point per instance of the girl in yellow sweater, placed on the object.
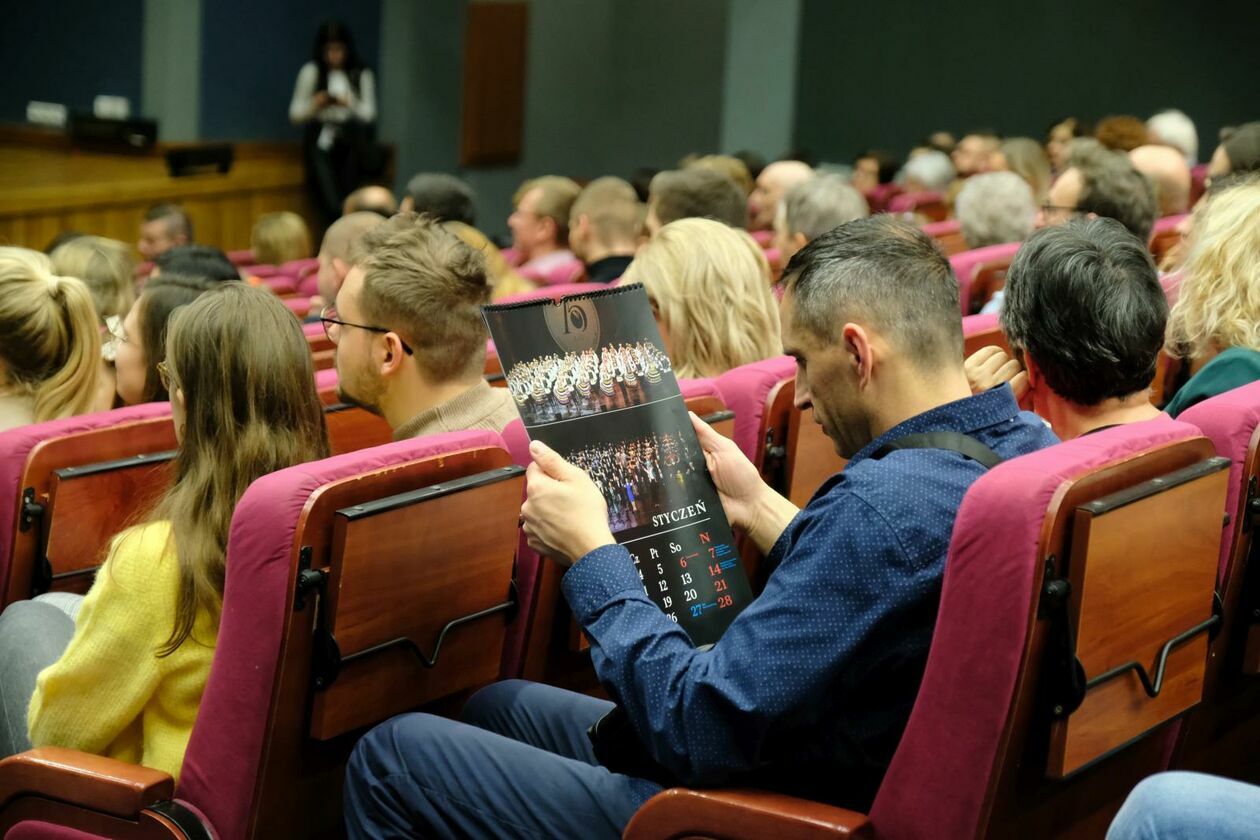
(130, 681)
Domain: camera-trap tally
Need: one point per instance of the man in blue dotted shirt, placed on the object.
(810, 688)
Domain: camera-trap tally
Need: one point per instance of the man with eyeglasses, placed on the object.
(411, 342)
(1102, 183)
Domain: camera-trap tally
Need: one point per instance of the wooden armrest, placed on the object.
(741, 814)
(92, 781)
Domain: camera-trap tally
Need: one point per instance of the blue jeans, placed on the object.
(520, 765)
(1187, 806)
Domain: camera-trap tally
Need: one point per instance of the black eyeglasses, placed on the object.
(328, 317)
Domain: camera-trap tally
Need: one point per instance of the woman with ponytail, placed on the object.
(135, 652)
(50, 346)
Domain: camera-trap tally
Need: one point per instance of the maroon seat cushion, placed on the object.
(941, 771)
(965, 265)
(221, 766)
(745, 389)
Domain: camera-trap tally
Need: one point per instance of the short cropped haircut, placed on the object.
(176, 219)
(823, 202)
(1084, 301)
(888, 272)
(995, 207)
(444, 197)
(698, 193)
(203, 261)
(612, 207)
(422, 280)
(555, 201)
(1111, 186)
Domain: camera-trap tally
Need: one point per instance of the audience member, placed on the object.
(411, 342)
(338, 251)
(1084, 314)
(941, 141)
(875, 368)
(604, 228)
(142, 337)
(1173, 128)
(1121, 133)
(1215, 324)
(1059, 138)
(771, 185)
(540, 223)
(62, 238)
(814, 207)
(1168, 172)
(753, 162)
(1026, 158)
(50, 342)
(1239, 151)
(278, 238)
(974, 153)
(930, 171)
(874, 168)
(697, 193)
(1103, 183)
(995, 207)
(709, 285)
(127, 665)
(451, 201)
(370, 199)
(1178, 805)
(109, 271)
(204, 261)
(731, 167)
(164, 227)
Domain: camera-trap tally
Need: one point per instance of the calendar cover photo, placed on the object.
(591, 379)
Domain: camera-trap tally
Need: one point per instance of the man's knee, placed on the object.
(488, 704)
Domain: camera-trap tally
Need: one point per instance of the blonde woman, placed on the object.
(50, 344)
(1028, 159)
(130, 679)
(1215, 324)
(710, 290)
(107, 268)
(278, 238)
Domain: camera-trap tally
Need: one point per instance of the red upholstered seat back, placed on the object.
(559, 274)
(965, 265)
(552, 291)
(747, 390)
(232, 742)
(16, 446)
(959, 738)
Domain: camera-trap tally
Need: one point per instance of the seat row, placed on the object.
(1095, 622)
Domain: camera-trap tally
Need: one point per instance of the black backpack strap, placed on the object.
(952, 441)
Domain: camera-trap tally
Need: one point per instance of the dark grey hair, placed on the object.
(445, 197)
(1111, 186)
(820, 204)
(1085, 302)
(887, 272)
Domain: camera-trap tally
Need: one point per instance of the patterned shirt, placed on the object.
(811, 686)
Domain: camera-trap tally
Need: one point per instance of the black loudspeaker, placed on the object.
(89, 132)
(200, 159)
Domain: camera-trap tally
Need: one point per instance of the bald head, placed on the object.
(1168, 171)
(773, 182)
(371, 199)
(339, 250)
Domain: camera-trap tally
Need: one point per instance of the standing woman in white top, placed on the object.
(335, 98)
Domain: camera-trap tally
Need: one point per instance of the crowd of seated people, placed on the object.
(741, 264)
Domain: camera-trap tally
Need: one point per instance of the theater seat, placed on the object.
(67, 486)
(300, 268)
(281, 284)
(929, 205)
(879, 197)
(1114, 535)
(343, 578)
(966, 264)
(551, 292)
(1165, 236)
(241, 258)
(1222, 736)
(948, 235)
(982, 331)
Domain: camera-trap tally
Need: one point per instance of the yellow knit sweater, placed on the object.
(110, 694)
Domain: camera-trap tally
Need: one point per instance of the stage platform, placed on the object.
(47, 187)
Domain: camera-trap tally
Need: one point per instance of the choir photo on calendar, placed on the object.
(651, 480)
(579, 384)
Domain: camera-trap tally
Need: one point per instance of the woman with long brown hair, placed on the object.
(130, 680)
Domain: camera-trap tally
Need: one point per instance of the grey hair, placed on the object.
(995, 207)
(934, 170)
(1175, 129)
(820, 204)
(887, 272)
